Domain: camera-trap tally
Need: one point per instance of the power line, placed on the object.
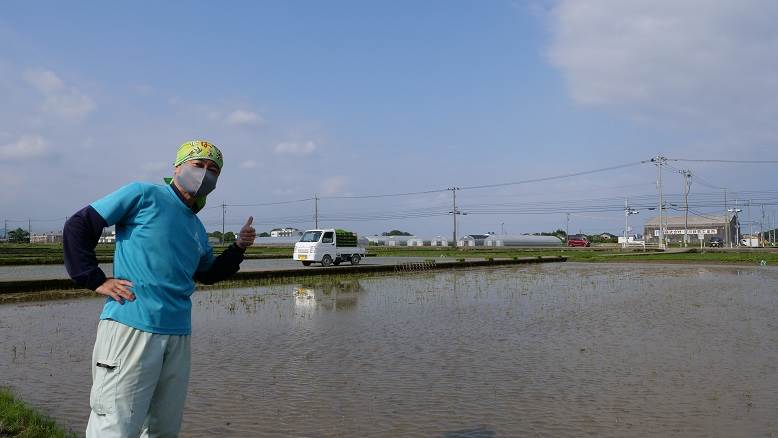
(549, 178)
(726, 161)
(386, 195)
(264, 204)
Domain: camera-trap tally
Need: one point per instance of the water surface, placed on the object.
(547, 350)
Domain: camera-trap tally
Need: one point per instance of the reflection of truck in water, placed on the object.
(328, 247)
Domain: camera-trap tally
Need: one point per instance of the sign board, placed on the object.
(708, 231)
(693, 231)
(701, 236)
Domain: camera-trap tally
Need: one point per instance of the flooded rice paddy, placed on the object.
(545, 350)
(44, 272)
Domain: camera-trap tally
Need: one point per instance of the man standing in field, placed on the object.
(141, 357)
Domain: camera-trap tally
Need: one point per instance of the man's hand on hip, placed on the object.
(247, 234)
(117, 289)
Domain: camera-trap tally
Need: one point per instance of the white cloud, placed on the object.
(71, 105)
(248, 164)
(334, 185)
(292, 148)
(243, 117)
(44, 81)
(707, 62)
(63, 101)
(27, 147)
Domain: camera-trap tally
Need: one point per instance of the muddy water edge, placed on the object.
(553, 350)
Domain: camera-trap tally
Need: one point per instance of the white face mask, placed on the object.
(196, 181)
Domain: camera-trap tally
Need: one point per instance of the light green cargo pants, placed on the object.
(139, 382)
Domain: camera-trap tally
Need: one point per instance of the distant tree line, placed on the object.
(396, 233)
(558, 233)
(229, 236)
(19, 235)
(593, 238)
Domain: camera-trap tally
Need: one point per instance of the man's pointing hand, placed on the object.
(247, 234)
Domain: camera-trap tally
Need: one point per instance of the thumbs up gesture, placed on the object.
(247, 234)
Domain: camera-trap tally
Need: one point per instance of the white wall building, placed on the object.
(50, 237)
(108, 237)
(522, 240)
(285, 232)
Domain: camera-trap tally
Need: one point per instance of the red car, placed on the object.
(578, 240)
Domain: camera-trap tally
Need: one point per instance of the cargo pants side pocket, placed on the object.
(102, 398)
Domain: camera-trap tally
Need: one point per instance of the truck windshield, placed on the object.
(311, 236)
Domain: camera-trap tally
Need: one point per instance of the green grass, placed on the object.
(51, 254)
(19, 420)
(26, 254)
(44, 254)
(594, 254)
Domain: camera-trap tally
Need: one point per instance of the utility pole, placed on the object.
(316, 211)
(627, 213)
(454, 212)
(726, 217)
(737, 224)
(29, 230)
(659, 161)
(5, 229)
(761, 226)
(687, 182)
(626, 222)
(224, 212)
(750, 227)
(567, 228)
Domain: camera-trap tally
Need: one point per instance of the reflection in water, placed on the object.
(552, 350)
(328, 295)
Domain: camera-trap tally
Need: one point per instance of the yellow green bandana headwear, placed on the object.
(199, 150)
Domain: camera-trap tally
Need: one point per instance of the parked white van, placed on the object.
(328, 247)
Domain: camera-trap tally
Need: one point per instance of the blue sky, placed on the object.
(355, 98)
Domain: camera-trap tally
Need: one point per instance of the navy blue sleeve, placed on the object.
(226, 264)
(79, 238)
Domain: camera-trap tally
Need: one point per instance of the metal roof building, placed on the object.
(390, 240)
(700, 228)
(276, 241)
(522, 240)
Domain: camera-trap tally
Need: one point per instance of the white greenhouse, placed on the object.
(439, 241)
(522, 240)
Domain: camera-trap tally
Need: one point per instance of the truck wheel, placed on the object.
(337, 261)
(306, 263)
(355, 258)
(326, 260)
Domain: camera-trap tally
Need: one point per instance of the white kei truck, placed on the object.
(328, 247)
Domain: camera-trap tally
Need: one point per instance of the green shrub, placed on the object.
(19, 420)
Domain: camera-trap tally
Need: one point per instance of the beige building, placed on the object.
(699, 228)
(285, 232)
(46, 238)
